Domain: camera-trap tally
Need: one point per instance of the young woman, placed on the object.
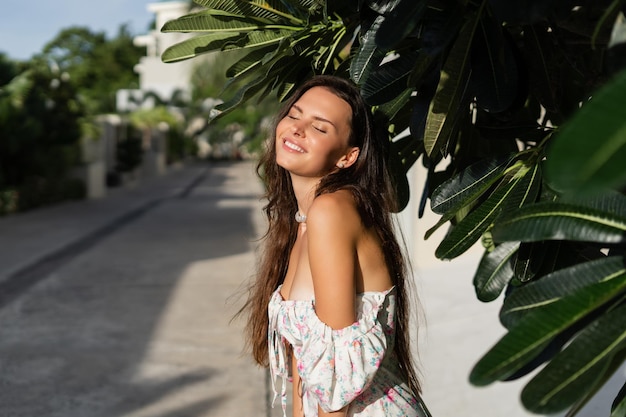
(329, 307)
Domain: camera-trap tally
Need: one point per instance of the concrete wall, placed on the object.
(99, 155)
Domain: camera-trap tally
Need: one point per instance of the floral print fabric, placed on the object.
(355, 365)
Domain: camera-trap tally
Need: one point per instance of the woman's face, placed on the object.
(313, 137)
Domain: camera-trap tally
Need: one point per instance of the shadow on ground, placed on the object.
(138, 324)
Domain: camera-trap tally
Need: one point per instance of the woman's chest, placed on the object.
(298, 282)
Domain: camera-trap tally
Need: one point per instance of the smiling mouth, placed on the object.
(293, 146)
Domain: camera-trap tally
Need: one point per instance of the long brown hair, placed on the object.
(369, 182)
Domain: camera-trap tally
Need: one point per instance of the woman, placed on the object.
(330, 292)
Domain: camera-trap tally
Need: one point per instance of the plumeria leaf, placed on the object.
(468, 185)
(452, 86)
(494, 271)
(519, 190)
(574, 371)
(557, 285)
(579, 165)
(548, 220)
(524, 341)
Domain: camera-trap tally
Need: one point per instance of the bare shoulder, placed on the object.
(333, 232)
(336, 209)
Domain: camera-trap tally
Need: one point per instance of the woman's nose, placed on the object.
(297, 128)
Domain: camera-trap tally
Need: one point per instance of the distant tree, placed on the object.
(8, 69)
(40, 127)
(97, 66)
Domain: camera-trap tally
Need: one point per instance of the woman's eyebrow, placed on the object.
(321, 119)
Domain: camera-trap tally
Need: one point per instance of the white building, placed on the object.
(154, 75)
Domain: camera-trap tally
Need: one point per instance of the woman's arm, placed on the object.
(332, 227)
(341, 372)
(333, 224)
(341, 413)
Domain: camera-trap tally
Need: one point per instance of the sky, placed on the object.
(27, 25)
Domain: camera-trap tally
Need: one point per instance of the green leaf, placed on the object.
(393, 107)
(557, 285)
(451, 89)
(369, 56)
(249, 62)
(572, 373)
(527, 253)
(262, 38)
(290, 76)
(463, 190)
(508, 196)
(618, 409)
(443, 220)
(261, 9)
(494, 271)
(422, 70)
(272, 71)
(327, 47)
(589, 151)
(560, 221)
(402, 187)
(243, 94)
(615, 363)
(468, 185)
(530, 259)
(207, 21)
(388, 80)
(538, 328)
(198, 45)
(494, 68)
(399, 22)
(540, 58)
(609, 201)
(404, 152)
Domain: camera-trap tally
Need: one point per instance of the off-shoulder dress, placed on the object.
(355, 365)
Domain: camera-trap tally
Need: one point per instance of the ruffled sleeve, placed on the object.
(336, 366)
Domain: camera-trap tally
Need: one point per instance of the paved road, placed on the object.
(137, 322)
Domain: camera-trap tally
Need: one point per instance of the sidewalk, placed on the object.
(35, 237)
(131, 312)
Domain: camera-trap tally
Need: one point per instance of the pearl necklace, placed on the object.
(300, 218)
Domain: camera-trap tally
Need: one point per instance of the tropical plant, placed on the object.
(286, 42)
(517, 112)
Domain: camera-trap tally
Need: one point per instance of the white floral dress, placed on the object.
(355, 365)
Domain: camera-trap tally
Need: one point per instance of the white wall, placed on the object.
(155, 75)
